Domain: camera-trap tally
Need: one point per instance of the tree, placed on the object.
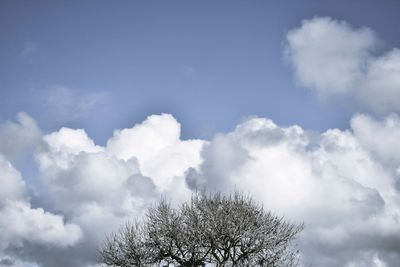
(216, 229)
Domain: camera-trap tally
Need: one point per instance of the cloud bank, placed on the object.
(22, 224)
(96, 188)
(332, 181)
(343, 184)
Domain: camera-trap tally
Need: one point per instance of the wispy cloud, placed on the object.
(28, 48)
(187, 70)
(68, 104)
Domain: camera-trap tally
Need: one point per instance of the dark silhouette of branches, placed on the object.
(217, 229)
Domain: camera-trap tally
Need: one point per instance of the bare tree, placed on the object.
(129, 247)
(216, 229)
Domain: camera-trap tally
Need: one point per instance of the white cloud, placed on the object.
(86, 182)
(156, 145)
(335, 59)
(356, 172)
(162, 130)
(19, 138)
(19, 222)
(380, 89)
(381, 137)
(12, 186)
(346, 197)
(342, 184)
(329, 55)
(99, 188)
(136, 163)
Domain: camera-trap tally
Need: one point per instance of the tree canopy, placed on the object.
(216, 229)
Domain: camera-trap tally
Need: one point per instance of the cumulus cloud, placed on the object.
(381, 137)
(335, 59)
(20, 223)
(331, 181)
(79, 173)
(380, 90)
(19, 138)
(342, 184)
(99, 188)
(13, 187)
(162, 159)
(95, 189)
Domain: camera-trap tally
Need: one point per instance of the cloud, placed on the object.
(36, 226)
(381, 137)
(346, 197)
(13, 187)
(19, 138)
(342, 184)
(99, 188)
(93, 188)
(381, 88)
(336, 60)
(20, 223)
(15, 263)
(162, 158)
(68, 104)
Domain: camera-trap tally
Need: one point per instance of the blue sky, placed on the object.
(209, 63)
(106, 106)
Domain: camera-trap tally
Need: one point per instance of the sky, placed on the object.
(105, 106)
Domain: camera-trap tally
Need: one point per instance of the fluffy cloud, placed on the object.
(13, 187)
(342, 184)
(331, 181)
(36, 226)
(162, 158)
(335, 59)
(20, 223)
(380, 89)
(19, 138)
(99, 188)
(381, 137)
